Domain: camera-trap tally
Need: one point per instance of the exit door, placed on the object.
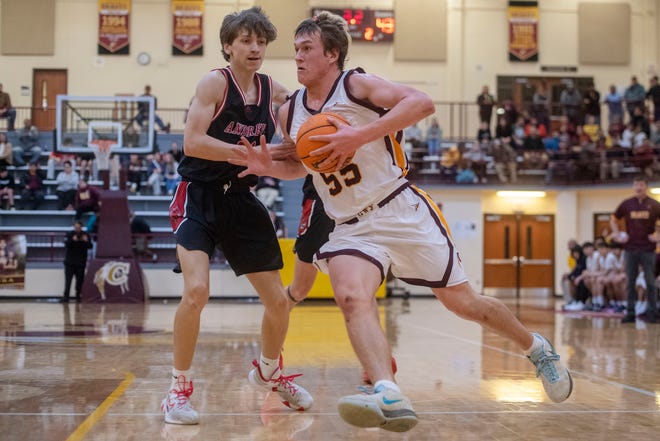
(519, 254)
(46, 85)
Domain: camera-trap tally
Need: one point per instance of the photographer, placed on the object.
(76, 244)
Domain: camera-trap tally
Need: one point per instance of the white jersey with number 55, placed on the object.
(378, 167)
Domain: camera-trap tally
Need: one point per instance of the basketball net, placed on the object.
(102, 150)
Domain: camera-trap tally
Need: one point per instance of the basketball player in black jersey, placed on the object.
(213, 208)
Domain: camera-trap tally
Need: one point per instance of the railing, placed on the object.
(459, 120)
(48, 246)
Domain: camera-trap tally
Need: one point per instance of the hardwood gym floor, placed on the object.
(99, 372)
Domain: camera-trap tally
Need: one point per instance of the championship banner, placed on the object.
(114, 18)
(187, 20)
(523, 31)
(13, 249)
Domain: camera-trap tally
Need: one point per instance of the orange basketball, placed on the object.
(316, 125)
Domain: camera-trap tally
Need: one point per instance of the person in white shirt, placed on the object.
(67, 185)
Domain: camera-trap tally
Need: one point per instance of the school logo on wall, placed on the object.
(112, 273)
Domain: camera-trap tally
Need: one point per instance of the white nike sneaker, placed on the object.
(383, 407)
(556, 379)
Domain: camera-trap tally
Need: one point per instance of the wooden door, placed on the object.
(518, 254)
(46, 85)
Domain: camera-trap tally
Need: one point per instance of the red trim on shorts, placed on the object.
(178, 205)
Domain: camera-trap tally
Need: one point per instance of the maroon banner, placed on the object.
(187, 27)
(114, 19)
(523, 31)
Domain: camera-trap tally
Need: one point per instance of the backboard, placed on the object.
(84, 120)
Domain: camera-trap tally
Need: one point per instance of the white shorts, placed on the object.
(408, 235)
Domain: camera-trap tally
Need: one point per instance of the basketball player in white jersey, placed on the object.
(382, 221)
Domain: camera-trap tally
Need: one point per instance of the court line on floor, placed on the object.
(101, 410)
(516, 354)
(325, 414)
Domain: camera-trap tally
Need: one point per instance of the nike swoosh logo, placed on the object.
(388, 402)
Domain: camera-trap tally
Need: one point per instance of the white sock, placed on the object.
(268, 366)
(536, 344)
(387, 384)
(175, 378)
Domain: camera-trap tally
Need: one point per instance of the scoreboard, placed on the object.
(372, 25)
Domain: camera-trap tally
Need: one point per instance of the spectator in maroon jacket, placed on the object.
(32, 191)
(88, 199)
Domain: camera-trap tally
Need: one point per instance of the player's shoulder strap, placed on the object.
(291, 99)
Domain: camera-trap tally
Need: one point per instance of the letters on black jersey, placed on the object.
(236, 128)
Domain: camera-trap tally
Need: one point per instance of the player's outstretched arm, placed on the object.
(258, 161)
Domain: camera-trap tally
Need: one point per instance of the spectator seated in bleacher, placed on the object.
(135, 173)
(175, 151)
(464, 172)
(614, 280)
(484, 134)
(170, 173)
(278, 224)
(449, 160)
(267, 190)
(591, 128)
(434, 137)
(504, 158)
(155, 170)
(142, 229)
(551, 143)
(586, 161)
(87, 200)
(644, 158)
(534, 154)
(596, 272)
(413, 135)
(613, 159)
(6, 189)
(503, 129)
(57, 158)
(541, 129)
(477, 155)
(28, 149)
(131, 138)
(67, 186)
(560, 162)
(6, 150)
(575, 276)
(32, 188)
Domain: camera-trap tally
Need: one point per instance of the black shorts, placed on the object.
(313, 231)
(205, 217)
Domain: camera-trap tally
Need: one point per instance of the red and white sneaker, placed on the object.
(367, 380)
(291, 394)
(176, 406)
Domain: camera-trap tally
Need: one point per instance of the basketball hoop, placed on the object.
(104, 144)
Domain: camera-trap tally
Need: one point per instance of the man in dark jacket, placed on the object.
(76, 244)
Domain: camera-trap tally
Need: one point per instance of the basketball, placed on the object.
(316, 125)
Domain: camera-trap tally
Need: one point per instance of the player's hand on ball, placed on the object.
(339, 145)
